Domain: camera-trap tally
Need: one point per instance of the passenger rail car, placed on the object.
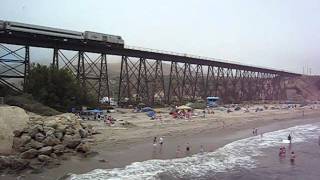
(87, 37)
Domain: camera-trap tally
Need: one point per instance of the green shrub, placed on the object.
(27, 102)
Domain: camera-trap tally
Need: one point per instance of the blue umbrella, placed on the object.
(146, 109)
(95, 111)
(151, 113)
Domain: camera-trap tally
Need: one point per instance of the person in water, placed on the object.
(282, 151)
(201, 149)
(289, 138)
(292, 157)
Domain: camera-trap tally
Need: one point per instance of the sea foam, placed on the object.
(239, 153)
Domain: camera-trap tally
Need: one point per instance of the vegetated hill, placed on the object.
(303, 88)
(27, 102)
(114, 69)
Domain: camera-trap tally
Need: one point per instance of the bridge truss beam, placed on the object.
(144, 80)
(14, 66)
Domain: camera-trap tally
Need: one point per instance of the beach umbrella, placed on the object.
(151, 113)
(146, 109)
(95, 111)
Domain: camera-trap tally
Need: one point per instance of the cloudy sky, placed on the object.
(283, 34)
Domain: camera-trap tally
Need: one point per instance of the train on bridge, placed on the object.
(86, 37)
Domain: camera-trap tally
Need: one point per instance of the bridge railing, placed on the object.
(199, 57)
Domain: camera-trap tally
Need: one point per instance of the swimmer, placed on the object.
(289, 138)
(284, 150)
(280, 151)
(201, 149)
(292, 157)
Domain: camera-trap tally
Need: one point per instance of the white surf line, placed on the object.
(239, 153)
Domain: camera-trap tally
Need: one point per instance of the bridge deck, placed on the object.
(78, 45)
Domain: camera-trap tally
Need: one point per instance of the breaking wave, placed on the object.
(237, 154)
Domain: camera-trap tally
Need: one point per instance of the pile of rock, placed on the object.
(46, 139)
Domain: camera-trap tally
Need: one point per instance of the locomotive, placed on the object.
(87, 37)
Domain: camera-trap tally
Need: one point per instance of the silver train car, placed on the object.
(1, 25)
(87, 37)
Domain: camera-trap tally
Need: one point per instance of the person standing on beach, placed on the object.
(253, 131)
(188, 148)
(161, 141)
(292, 158)
(256, 131)
(155, 141)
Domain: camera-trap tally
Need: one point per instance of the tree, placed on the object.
(56, 88)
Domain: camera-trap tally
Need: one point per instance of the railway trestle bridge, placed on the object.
(143, 77)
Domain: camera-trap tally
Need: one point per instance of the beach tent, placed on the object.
(184, 107)
(146, 109)
(95, 111)
(151, 114)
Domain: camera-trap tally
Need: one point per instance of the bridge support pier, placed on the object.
(141, 81)
(14, 66)
(91, 72)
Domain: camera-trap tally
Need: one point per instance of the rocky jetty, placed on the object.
(45, 140)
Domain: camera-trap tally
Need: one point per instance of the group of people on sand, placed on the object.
(182, 114)
(179, 151)
(109, 121)
(255, 131)
(155, 141)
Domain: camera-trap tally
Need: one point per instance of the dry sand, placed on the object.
(120, 146)
(144, 128)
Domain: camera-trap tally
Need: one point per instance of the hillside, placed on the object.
(303, 88)
(114, 69)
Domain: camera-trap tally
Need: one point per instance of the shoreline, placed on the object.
(121, 153)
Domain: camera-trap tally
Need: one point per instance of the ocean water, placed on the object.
(251, 158)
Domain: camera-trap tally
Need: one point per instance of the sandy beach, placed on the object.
(120, 146)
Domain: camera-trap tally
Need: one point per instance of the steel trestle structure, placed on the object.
(149, 77)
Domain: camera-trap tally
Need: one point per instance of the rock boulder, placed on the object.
(51, 141)
(83, 147)
(71, 141)
(46, 150)
(58, 149)
(29, 154)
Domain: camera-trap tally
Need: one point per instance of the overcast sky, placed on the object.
(283, 34)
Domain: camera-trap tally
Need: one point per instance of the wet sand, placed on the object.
(123, 153)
